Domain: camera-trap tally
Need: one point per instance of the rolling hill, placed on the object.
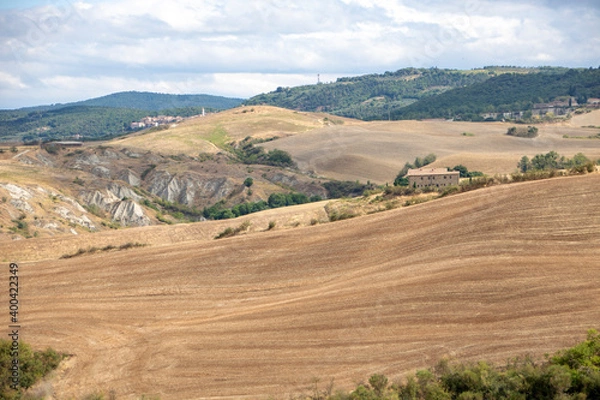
(349, 149)
(160, 101)
(369, 96)
(491, 274)
(413, 93)
(192, 170)
(504, 93)
(101, 117)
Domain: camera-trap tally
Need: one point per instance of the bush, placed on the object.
(530, 132)
(228, 232)
(51, 149)
(277, 200)
(400, 191)
(250, 154)
(34, 365)
(339, 189)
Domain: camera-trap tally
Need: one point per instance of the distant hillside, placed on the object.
(504, 93)
(102, 117)
(368, 96)
(61, 123)
(412, 93)
(160, 101)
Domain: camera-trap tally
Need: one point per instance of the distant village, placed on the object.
(540, 110)
(148, 122)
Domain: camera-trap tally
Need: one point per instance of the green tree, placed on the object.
(248, 182)
(464, 172)
(524, 165)
(277, 200)
(545, 161)
(379, 383)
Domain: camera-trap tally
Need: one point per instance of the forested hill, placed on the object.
(102, 117)
(436, 93)
(504, 93)
(149, 101)
(368, 96)
(160, 101)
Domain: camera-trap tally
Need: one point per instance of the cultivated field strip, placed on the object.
(488, 274)
(377, 150)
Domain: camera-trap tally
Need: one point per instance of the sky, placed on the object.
(57, 51)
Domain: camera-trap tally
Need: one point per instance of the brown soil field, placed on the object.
(347, 149)
(490, 274)
(376, 151)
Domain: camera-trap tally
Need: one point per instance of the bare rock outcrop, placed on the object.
(189, 188)
(129, 176)
(101, 172)
(129, 213)
(120, 202)
(71, 217)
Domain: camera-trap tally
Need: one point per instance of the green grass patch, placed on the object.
(219, 138)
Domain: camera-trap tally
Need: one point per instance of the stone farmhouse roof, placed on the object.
(430, 171)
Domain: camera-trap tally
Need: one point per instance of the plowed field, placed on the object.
(489, 274)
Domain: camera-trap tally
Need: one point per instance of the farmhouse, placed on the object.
(436, 177)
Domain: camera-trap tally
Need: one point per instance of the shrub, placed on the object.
(400, 191)
(449, 190)
(34, 365)
(228, 232)
(336, 215)
(338, 189)
(530, 132)
(51, 149)
(225, 233)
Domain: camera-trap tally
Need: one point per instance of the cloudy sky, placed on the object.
(56, 51)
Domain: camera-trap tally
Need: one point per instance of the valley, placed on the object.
(167, 310)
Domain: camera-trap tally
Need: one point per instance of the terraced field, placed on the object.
(489, 274)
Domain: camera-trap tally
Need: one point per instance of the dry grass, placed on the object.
(208, 134)
(55, 247)
(376, 151)
(488, 274)
(373, 151)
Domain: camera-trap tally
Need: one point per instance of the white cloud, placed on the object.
(11, 82)
(233, 47)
